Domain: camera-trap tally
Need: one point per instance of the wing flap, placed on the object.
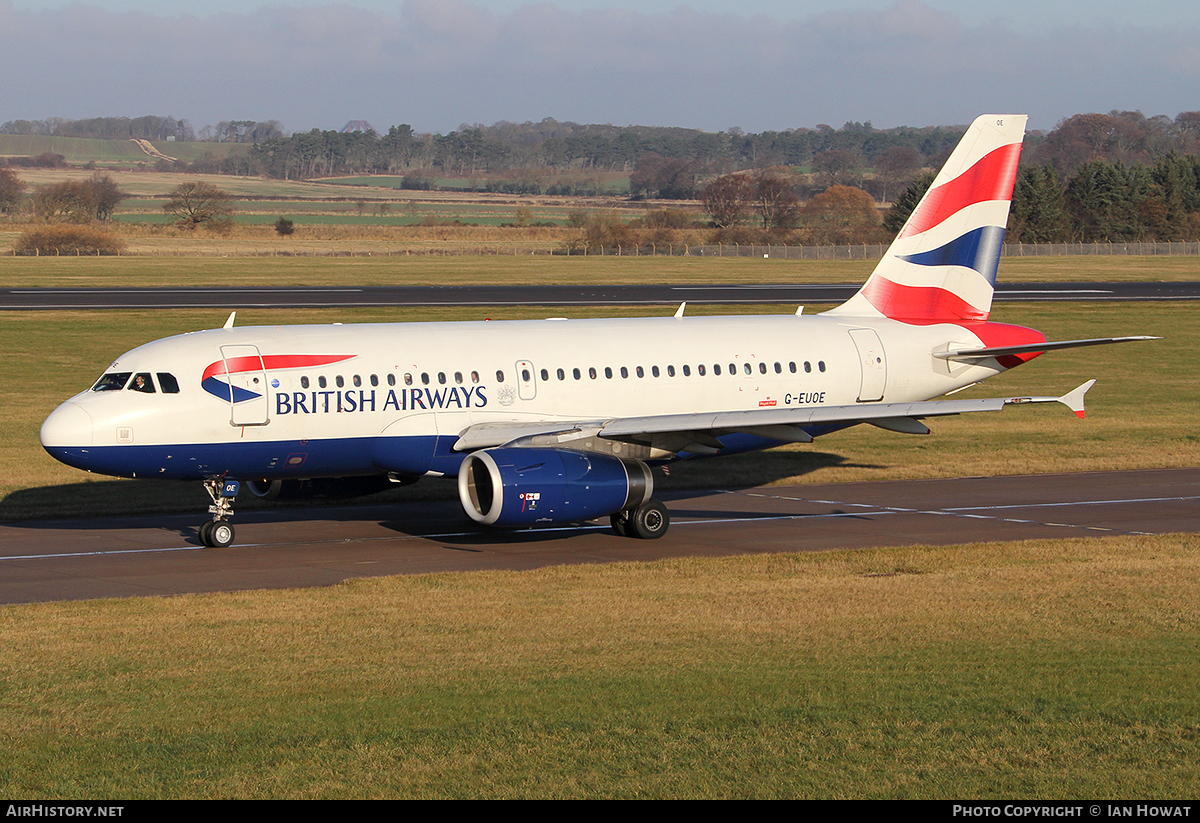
(785, 425)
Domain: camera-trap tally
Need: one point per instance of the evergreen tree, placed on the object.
(1039, 208)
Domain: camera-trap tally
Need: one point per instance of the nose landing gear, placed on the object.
(218, 532)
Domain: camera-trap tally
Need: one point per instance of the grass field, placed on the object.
(223, 266)
(83, 150)
(1047, 669)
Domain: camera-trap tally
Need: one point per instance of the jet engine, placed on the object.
(524, 487)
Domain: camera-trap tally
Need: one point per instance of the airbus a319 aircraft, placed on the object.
(560, 421)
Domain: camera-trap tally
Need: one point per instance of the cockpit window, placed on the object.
(142, 383)
(113, 381)
(168, 383)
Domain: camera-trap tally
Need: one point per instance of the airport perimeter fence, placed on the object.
(855, 252)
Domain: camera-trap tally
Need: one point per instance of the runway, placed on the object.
(161, 555)
(14, 299)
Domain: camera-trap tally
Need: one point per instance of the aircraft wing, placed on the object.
(698, 432)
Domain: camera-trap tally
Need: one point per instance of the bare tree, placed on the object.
(728, 199)
(200, 204)
(78, 201)
(11, 188)
(777, 204)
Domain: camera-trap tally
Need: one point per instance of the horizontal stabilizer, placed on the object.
(1028, 348)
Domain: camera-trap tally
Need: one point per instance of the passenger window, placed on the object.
(687, 371)
(339, 381)
(821, 366)
(474, 377)
(322, 382)
(375, 379)
(442, 378)
(807, 367)
(545, 374)
(717, 369)
(424, 378)
(640, 372)
(592, 372)
(575, 373)
(458, 377)
(670, 371)
(304, 382)
(142, 383)
(168, 383)
(778, 367)
(499, 376)
(624, 371)
(408, 379)
(700, 370)
(357, 381)
(762, 368)
(114, 381)
(562, 375)
(792, 367)
(608, 372)
(654, 371)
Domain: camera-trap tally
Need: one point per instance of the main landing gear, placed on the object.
(648, 521)
(218, 532)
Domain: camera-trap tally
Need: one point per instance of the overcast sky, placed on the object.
(436, 64)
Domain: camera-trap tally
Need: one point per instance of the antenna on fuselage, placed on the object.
(679, 311)
(229, 322)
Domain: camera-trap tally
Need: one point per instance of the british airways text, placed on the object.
(335, 402)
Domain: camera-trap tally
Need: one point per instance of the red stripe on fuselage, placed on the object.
(272, 361)
(990, 179)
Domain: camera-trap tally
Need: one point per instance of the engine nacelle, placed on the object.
(525, 487)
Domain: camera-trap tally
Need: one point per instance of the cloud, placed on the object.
(438, 63)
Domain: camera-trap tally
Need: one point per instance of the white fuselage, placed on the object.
(361, 399)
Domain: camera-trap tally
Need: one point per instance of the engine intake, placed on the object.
(523, 487)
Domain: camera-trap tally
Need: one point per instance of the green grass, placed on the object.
(1045, 669)
(19, 272)
(82, 150)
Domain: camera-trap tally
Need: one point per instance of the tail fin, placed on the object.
(942, 265)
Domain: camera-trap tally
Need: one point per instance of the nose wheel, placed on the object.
(218, 532)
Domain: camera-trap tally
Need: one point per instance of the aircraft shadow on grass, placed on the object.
(425, 509)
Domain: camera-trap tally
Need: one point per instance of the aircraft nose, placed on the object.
(68, 426)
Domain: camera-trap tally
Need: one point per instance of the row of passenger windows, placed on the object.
(357, 381)
(142, 381)
(425, 378)
(685, 370)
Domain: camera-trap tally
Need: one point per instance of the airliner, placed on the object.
(561, 421)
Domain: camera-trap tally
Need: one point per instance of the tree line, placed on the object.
(149, 127)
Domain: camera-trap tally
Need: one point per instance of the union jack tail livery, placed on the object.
(942, 265)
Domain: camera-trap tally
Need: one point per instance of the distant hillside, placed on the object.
(80, 150)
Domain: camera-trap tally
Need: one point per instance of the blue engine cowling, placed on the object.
(525, 487)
